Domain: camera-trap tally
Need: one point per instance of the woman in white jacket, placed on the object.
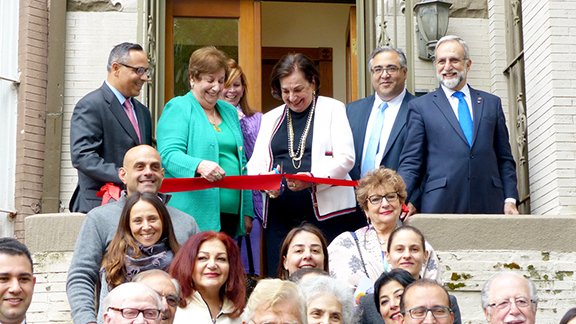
(309, 134)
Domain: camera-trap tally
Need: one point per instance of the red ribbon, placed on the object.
(109, 190)
(252, 182)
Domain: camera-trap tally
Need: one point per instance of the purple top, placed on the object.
(250, 128)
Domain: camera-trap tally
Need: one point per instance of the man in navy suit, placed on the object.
(388, 67)
(457, 143)
(106, 123)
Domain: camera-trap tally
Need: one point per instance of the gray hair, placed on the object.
(401, 55)
(452, 38)
(485, 294)
(130, 289)
(270, 292)
(322, 285)
(121, 54)
(140, 276)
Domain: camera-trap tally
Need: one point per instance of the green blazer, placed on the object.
(185, 138)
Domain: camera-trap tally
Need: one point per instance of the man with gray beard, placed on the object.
(457, 143)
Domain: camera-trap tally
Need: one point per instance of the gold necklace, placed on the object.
(297, 157)
(216, 128)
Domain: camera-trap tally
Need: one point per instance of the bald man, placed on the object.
(141, 171)
(132, 303)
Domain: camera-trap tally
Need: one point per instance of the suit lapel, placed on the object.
(399, 123)
(118, 111)
(442, 103)
(477, 109)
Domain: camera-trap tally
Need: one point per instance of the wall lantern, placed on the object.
(432, 23)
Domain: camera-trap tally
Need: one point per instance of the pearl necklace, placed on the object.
(297, 157)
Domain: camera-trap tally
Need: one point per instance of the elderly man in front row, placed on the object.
(425, 301)
(510, 298)
(275, 301)
(132, 303)
(167, 287)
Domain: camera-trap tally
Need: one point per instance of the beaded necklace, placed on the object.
(297, 157)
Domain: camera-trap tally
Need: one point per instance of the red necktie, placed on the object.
(130, 113)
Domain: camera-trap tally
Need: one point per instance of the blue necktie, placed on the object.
(374, 141)
(464, 116)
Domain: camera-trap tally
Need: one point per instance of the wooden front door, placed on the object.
(231, 25)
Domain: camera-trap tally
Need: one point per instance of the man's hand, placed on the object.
(510, 209)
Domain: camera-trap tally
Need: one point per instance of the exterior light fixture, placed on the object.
(432, 23)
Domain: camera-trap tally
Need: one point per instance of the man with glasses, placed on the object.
(378, 122)
(106, 123)
(168, 288)
(425, 301)
(457, 146)
(132, 303)
(509, 298)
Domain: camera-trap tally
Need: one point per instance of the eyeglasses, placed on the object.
(421, 312)
(139, 70)
(130, 313)
(521, 302)
(172, 300)
(389, 70)
(451, 60)
(377, 199)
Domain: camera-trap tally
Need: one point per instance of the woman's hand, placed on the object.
(297, 185)
(210, 171)
(247, 224)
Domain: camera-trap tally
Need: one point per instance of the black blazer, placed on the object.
(358, 114)
(100, 135)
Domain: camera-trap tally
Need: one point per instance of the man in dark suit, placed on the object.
(379, 135)
(106, 123)
(457, 141)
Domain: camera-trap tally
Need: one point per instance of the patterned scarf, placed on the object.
(157, 256)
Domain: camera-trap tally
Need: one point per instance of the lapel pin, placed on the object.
(479, 99)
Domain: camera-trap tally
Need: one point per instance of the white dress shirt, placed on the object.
(389, 117)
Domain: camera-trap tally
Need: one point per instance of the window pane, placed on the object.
(191, 34)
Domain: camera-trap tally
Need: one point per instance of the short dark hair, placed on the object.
(422, 283)
(12, 246)
(290, 63)
(121, 53)
(401, 56)
(401, 276)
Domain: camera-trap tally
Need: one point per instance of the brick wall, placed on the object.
(550, 56)
(90, 36)
(32, 60)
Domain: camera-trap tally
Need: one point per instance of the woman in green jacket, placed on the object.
(199, 135)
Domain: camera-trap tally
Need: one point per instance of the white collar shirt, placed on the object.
(454, 101)
(389, 117)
